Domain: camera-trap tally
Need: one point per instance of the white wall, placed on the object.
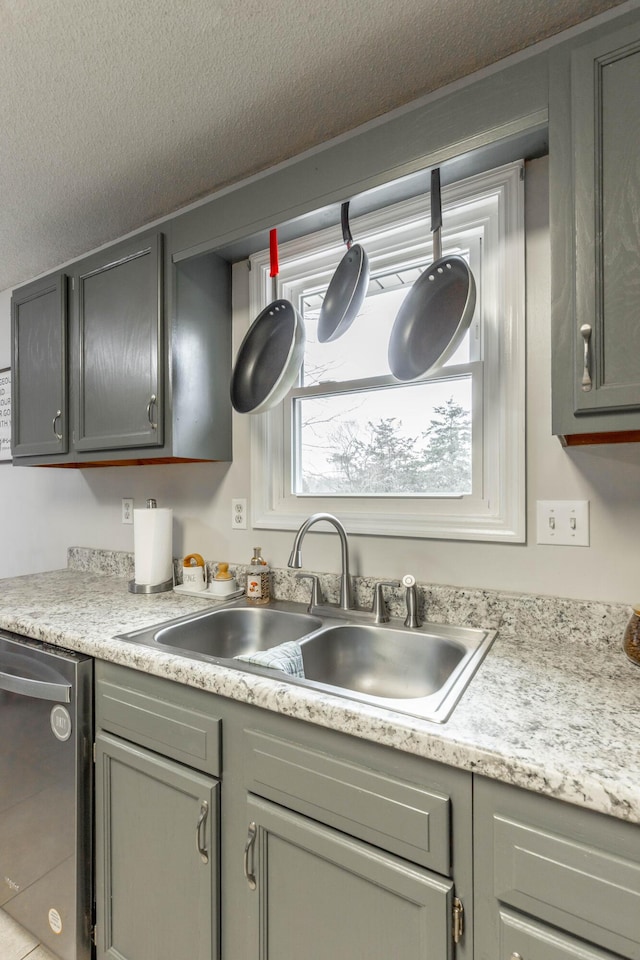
(43, 511)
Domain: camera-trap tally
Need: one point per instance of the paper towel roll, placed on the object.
(152, 546)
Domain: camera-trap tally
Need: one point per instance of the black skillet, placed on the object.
(437, 311)
(348, 288)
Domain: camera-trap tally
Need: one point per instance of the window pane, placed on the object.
(361, 352)
(408, 440)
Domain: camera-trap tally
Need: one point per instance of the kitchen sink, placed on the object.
(381, 662)
(420, 671)
(229, 631)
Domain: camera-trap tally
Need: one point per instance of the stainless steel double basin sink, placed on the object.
(419, 671)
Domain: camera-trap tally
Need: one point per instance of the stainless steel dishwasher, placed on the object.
(46, 736)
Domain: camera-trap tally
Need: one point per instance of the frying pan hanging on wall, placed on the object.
(271, 353)
(348, 288)
(437, 311)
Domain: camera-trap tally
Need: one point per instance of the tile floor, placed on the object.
(17, 944)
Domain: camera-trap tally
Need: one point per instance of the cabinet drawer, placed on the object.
(396, 815)
(575, 885)
(524, 938)
(165, 717)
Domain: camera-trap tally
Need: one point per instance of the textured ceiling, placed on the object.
(115, 113)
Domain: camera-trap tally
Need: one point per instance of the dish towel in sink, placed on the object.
(286, 657)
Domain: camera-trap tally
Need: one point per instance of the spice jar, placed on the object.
(631, 642)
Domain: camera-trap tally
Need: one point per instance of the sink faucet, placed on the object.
(295, 560)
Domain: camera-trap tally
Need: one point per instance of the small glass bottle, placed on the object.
(258, 591)
(631, 642)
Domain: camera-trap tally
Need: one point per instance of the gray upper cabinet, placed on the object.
(594, 116)
(118, 303)
(143, 373)
(40, 422)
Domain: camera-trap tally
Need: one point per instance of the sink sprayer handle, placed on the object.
(412, 618)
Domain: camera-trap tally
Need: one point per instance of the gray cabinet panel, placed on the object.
(40, 422)
(594, 114)
(396, 815)
(606, 106)
(534, 941)
(177, 728)
(321, 895)
(156, 897)
(574, 885)
(571, 868)
(119, 326)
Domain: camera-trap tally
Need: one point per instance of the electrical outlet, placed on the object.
(563, 522)
(239, 514)
(127, 509)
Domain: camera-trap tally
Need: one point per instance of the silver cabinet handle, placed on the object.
(200, 829)
(248, 853)
(152, 403)
(57, 435)
(585, 333)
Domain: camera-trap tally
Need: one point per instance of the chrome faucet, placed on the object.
(295, 560)
(412, 618)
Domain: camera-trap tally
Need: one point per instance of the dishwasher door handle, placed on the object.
(40, 689)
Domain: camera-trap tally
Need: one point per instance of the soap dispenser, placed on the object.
(258, 589)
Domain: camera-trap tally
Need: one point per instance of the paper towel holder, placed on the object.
(151, 587)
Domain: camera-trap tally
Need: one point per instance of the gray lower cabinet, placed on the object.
(552, 880)
(157, 819)
(40, 414)
(345, 859)
(321, 894)
(330, 848)
(156, 855)
(594, 144)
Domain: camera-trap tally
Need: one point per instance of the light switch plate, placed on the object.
(563, 522)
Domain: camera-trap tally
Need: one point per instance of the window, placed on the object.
(441, 456)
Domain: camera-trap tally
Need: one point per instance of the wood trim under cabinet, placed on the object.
(584, 439)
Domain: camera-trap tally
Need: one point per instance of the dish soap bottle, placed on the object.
(258, 591)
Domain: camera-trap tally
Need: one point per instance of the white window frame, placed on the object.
(498, 513)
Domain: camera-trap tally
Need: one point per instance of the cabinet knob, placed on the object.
(57, 435)
(516, 956)
(585, 333)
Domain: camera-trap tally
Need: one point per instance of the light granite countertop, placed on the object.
(553, 708)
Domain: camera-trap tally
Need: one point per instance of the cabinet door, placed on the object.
(118, 301)
(157, 856)
(320, 894)
(595, 185)
(40, 420)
